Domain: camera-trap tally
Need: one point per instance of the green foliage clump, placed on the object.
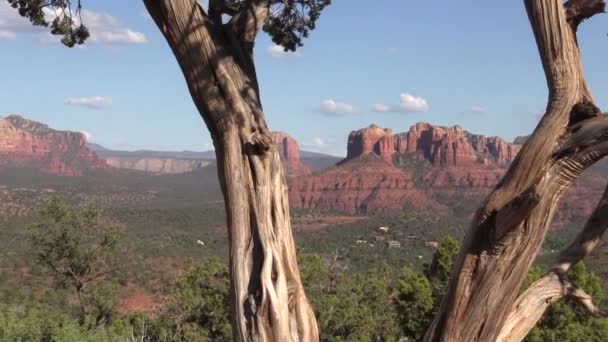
(18, 324)
(415, 303)
(75, 244)
(64, 23)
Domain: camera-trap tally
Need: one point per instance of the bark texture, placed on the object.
(268, 300)
(532, 304)
(508, 230)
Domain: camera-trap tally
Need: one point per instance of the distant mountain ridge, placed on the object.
(296, 162)
(31, 144)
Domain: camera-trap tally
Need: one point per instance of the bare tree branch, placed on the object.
(587, 239)
(532, 304)
(579, 10)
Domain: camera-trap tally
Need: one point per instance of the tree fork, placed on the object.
(508, 230)
(555, 285)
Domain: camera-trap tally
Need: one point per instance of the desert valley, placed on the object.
(303, 171)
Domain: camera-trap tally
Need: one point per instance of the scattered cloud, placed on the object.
(391, 50)
(315, 143)
(11, 23)
(323, 145)
(477, 109)
(474, 110)
(277, 51)
(408, 103)
(93, 102)
(103, 27)
(107, 29)
(381, 108)
(7, 35)
(87, 135)
(333, 107)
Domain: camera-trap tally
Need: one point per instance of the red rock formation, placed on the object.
(442, 146)
(26, 143)
(441, 160)
(455, 147)
(289, 150)
(372, 139)
(359, 186)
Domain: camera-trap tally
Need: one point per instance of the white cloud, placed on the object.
(277, 51)
(477, 109)
(381, 108)
(392, 50)
(87, 135)
(7, 35)
(106, 29)
(103, 27)
(333, 107)
(315, 143)
(11, 21)
(93, 102)
(408, 103)
(474, 110)
(322, 145)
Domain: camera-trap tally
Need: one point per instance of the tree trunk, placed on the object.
(508, 230)
(532, 304)
(268, 300)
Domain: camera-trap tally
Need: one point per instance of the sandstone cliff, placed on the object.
(157, 165)
(359, 186)
(25, 143)
(289, 150)
(413, 168)
(371, 140)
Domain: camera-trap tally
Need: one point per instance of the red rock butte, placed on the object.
(25, 143)
(441, 146)
(386, 171)
(289, 151)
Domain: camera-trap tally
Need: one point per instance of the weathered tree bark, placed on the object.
(531, 304)
(508, 230)
(268, 300)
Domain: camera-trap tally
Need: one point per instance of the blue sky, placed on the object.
(472, 63)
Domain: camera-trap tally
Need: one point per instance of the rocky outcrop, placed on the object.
(396, 170)
(289, 150)
(157, 165)
(441, 146)
(359, 186)
(26, 143)
(371, 140)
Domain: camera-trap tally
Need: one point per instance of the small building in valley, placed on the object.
(393, 244)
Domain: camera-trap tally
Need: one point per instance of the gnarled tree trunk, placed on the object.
(532, 304)
(508, 230)
(268, 300)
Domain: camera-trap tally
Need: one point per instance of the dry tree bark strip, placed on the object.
(507, 232)
(554, 286)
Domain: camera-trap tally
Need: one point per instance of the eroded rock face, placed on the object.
(359, 186)
(32, 144)
(371, 140)
(455, 147)
(157, 165)
(441, 146)
(289, 150)
(411, 168)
